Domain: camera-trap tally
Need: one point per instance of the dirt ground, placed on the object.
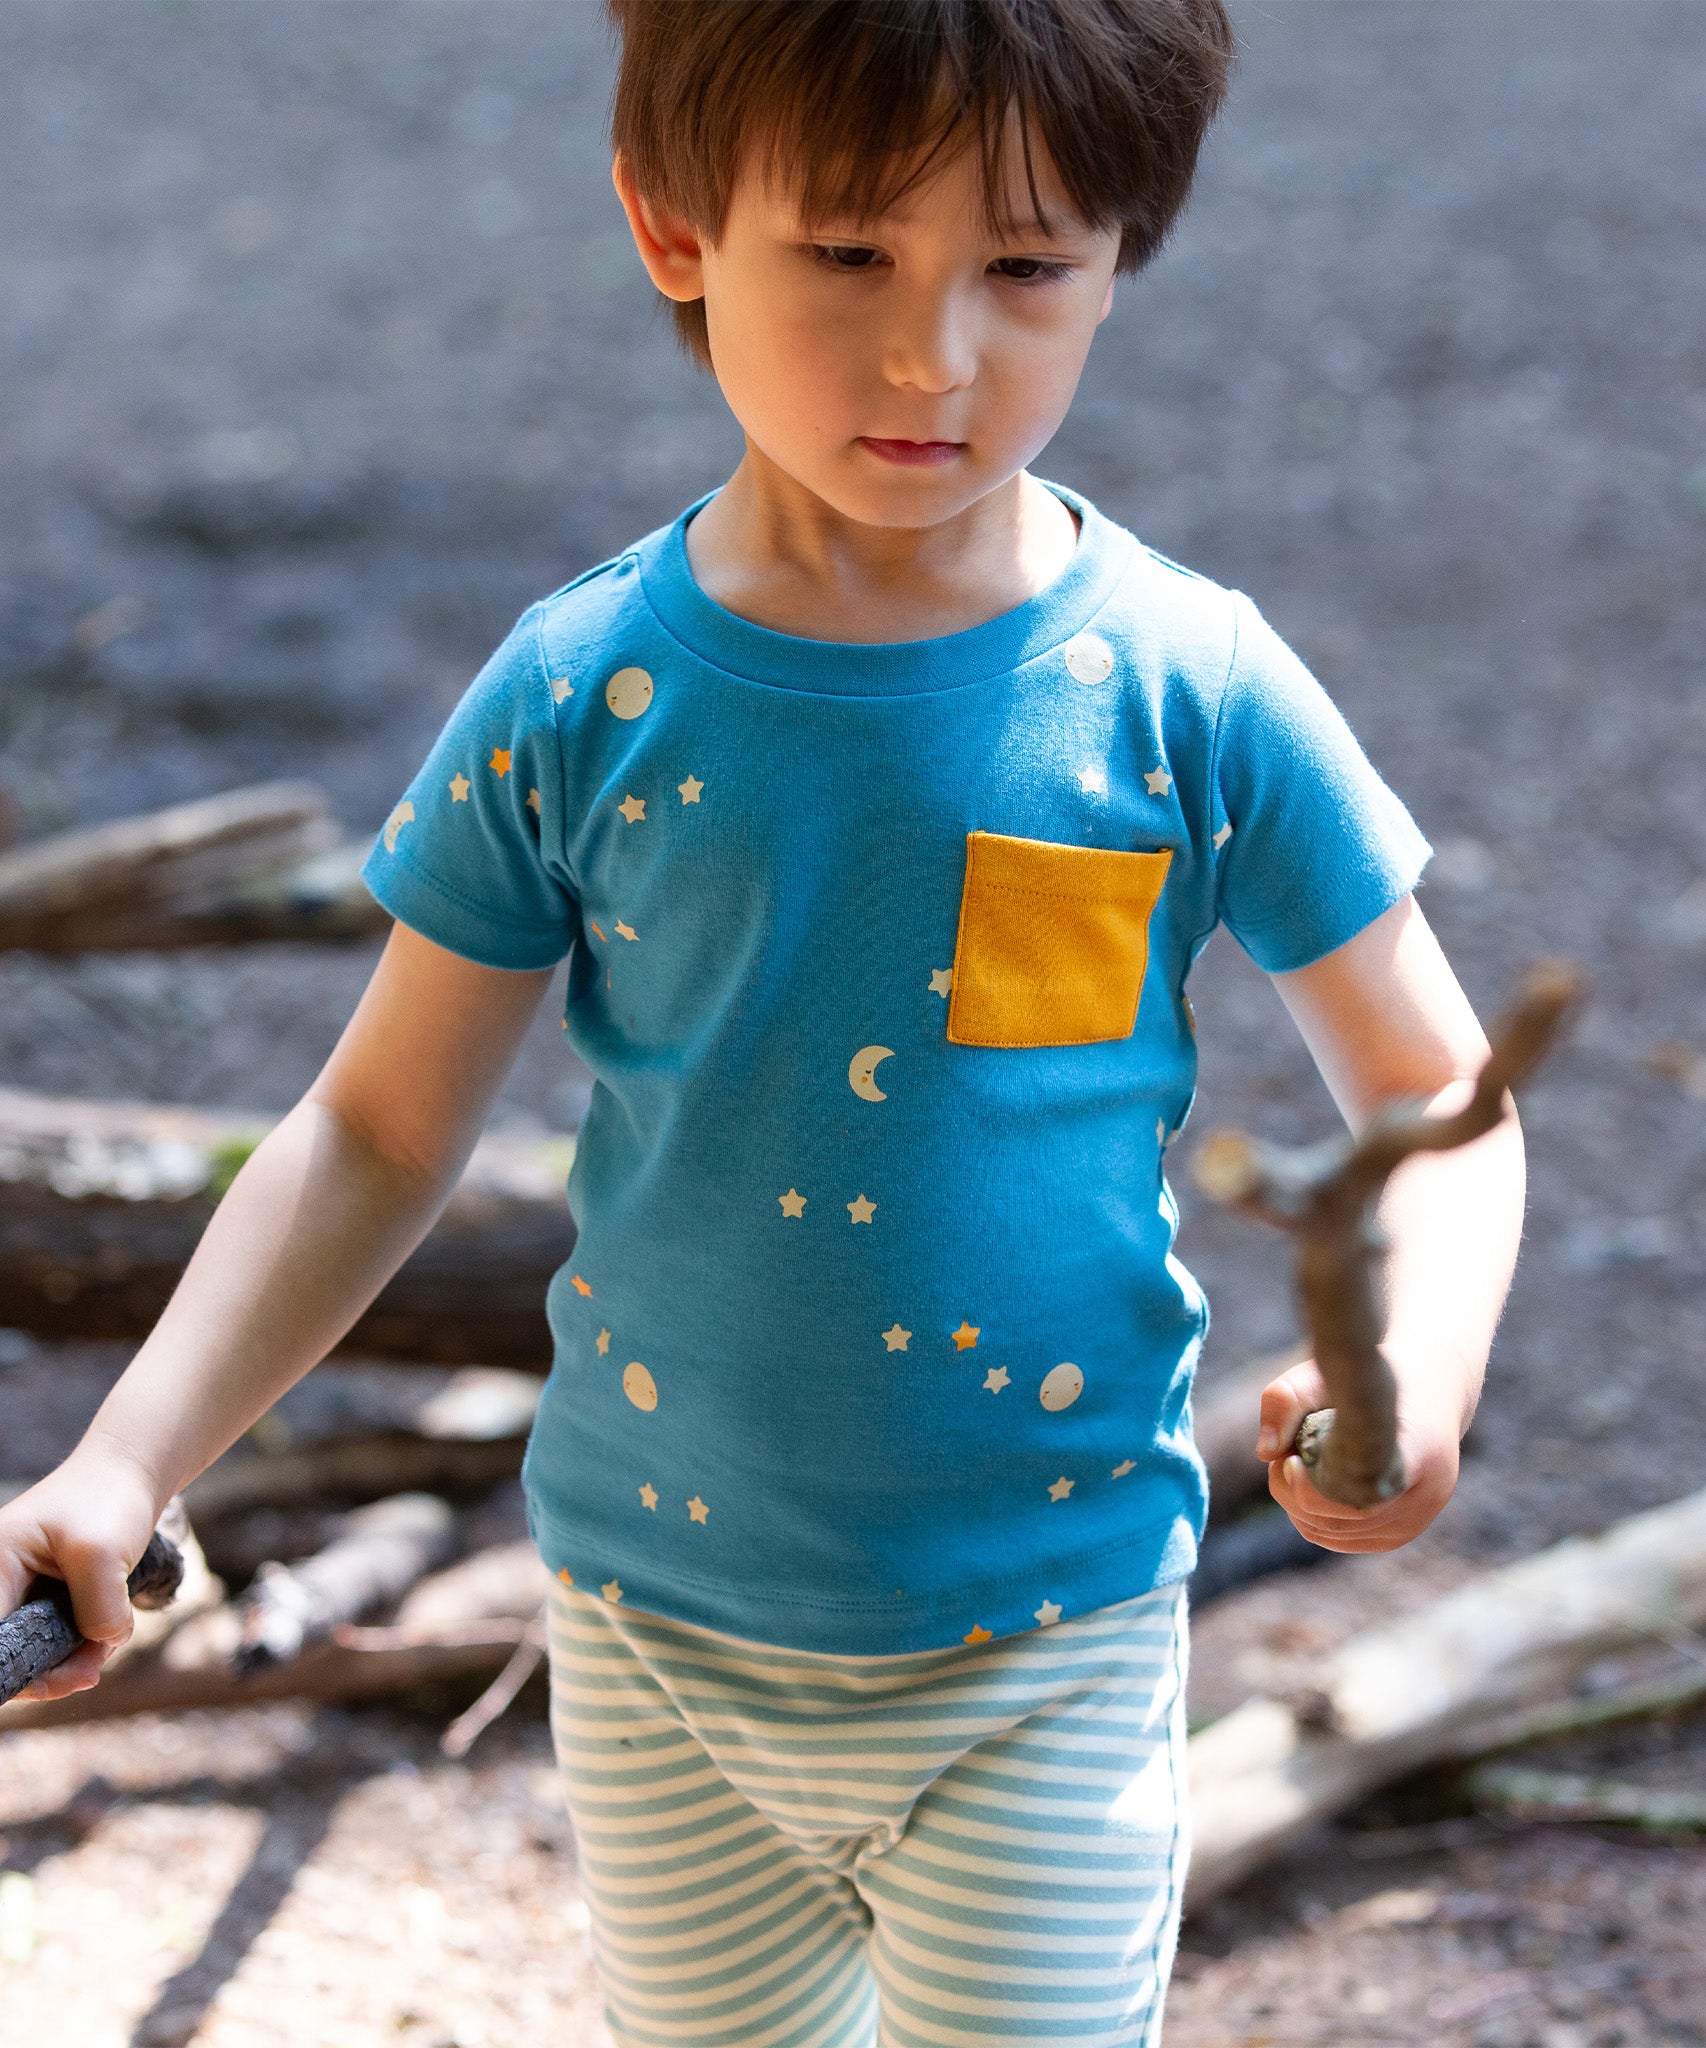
(321, 355)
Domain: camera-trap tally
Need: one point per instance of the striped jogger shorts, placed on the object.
(786, 1849)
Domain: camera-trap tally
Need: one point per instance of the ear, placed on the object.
(1108, 301)
(671, 250)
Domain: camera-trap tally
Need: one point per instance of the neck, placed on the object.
(773, 552)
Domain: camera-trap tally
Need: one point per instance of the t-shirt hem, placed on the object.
(1304, 951)
(487, 937)
(1161, 1554)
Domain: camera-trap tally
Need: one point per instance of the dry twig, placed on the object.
(1326, 1196)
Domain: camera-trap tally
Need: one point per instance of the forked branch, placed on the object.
(1326, 1196)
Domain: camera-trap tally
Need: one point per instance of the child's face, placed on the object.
(903, 367)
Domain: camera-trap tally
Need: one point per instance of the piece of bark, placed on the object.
(380, 1552)
(1326, 1196)
(462, 1622)
(1416, 1690)
(134, 882)
(101, 1204)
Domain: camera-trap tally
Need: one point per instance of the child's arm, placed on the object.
(321, 1215)
(1384, 1017)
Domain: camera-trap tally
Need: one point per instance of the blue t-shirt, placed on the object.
(872, 1339)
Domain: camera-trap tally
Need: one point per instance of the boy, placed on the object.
(881, 803)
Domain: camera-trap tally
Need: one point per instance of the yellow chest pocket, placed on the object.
(1053, 941)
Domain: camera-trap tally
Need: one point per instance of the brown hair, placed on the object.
(853, 102)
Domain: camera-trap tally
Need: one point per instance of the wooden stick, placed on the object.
(1326, 1196)
(43, 1632)
(101, 1204)
(500, 1695)
(460, 1622)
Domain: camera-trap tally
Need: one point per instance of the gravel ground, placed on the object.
(321, 355)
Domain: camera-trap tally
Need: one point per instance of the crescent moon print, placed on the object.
(862, 1071)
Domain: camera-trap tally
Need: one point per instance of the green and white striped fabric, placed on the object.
(789, 1849)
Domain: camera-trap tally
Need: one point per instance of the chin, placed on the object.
(908, 498)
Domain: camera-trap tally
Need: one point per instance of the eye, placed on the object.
(1030, 269)
(846, 255)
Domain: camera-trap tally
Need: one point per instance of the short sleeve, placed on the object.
(464, 858)
(1312, 845)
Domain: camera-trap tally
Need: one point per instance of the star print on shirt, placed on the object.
(1221, 837)
(697, 1509)
(1158, 782)
(793, 1203)
(612, 1591)
(459, 788)
(996, 1378)
(533, 800)
(1120, 1471)
(602, 1343)
(633, 808)
(649, 1494)
(1061, 1488)
(966, 1336)
(578, 1284)
(941, 981)
(690, 789)
(567, 1577)
(1048, 1613)
(896, 1338)
(499, 763)
(861, 1211)
(975, 1635)
(625, 931)
(561, 687)
(594, 923)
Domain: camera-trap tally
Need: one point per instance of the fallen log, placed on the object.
(142, 881)
(379, 1553)
(1416, 1690)
(101, 1204)
(445, 1630)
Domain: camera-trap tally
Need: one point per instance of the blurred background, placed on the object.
(323, 352)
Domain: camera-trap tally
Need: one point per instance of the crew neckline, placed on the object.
(889, 668)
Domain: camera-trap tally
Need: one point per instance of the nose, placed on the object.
(931, 346)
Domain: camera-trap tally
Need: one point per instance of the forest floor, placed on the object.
(321, 355)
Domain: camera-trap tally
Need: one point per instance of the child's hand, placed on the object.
(1428, 1441)
(87, 1523)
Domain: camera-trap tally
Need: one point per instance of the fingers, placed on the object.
(1285, 1401)
(80, 1670)
(1387, 1526)
(96, 1571)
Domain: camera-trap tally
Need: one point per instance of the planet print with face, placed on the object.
(1061, 1387)
(629, 692)
(639, 1386)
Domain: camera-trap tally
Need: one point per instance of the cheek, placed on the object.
(784, 368)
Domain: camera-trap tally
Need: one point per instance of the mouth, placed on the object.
(912, 454)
